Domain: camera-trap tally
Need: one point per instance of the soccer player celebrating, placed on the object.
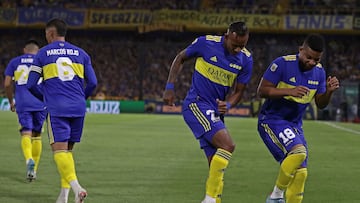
(289, 84)
(66, 69)
(30, 110)
(222, 62)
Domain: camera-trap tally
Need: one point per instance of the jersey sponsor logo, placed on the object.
(303, 100)
(273, 67)
(292, 79)
(215, 73)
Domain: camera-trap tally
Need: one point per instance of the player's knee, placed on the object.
(299, 151)
(230, 147)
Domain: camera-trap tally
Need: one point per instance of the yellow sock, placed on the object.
(36, 150)
(289, 166)
(65, 165)
(64, 183)
(26, 146)
(221, 186)
(218, 165)
(295, 191)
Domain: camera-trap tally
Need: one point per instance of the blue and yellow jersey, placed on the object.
(216, 70)
(285, 72)
(18, 69)
(65, 68)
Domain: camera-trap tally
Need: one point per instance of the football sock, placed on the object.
(26, 146)
(289, 165)
(277, 193)
(65, 165)
(64, 195)
(295, 191)
(36, 150)
(221, 186)
(218, 165)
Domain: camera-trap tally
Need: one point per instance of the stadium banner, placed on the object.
(318, 22)
(222, 21)
(7, 16)
(76, 18)
(197, 21)
(241, 110)
(4, 104)
(119, 18)
(103, 106)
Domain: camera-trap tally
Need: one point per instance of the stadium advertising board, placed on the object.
(7, 16)
(103, 107)
(318, 22)
(240, 110)
(4, 104)
(39, 16)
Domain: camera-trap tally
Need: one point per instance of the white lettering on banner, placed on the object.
(327, 22)
(104, 107)
(4, 105)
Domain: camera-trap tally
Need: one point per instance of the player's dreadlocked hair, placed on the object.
(239, 28)
(315, 41)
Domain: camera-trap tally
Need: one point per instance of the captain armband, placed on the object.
(36, 69)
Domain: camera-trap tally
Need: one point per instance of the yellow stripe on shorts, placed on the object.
(200, 117)
(50, 132)
(273, 137)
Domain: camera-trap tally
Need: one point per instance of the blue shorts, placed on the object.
(204, 123)
(65, 129)
(31, 120)
(280, 137)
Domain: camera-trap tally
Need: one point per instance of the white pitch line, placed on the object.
(332, 124)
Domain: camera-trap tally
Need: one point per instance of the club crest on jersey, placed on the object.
(273, 67)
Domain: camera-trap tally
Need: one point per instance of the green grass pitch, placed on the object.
(141, 158)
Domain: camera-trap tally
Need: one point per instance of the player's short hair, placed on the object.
(59, 24)
(316, 42)
(239, 28)
(32, 41)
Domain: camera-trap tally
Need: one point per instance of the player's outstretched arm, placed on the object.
(176, 67)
